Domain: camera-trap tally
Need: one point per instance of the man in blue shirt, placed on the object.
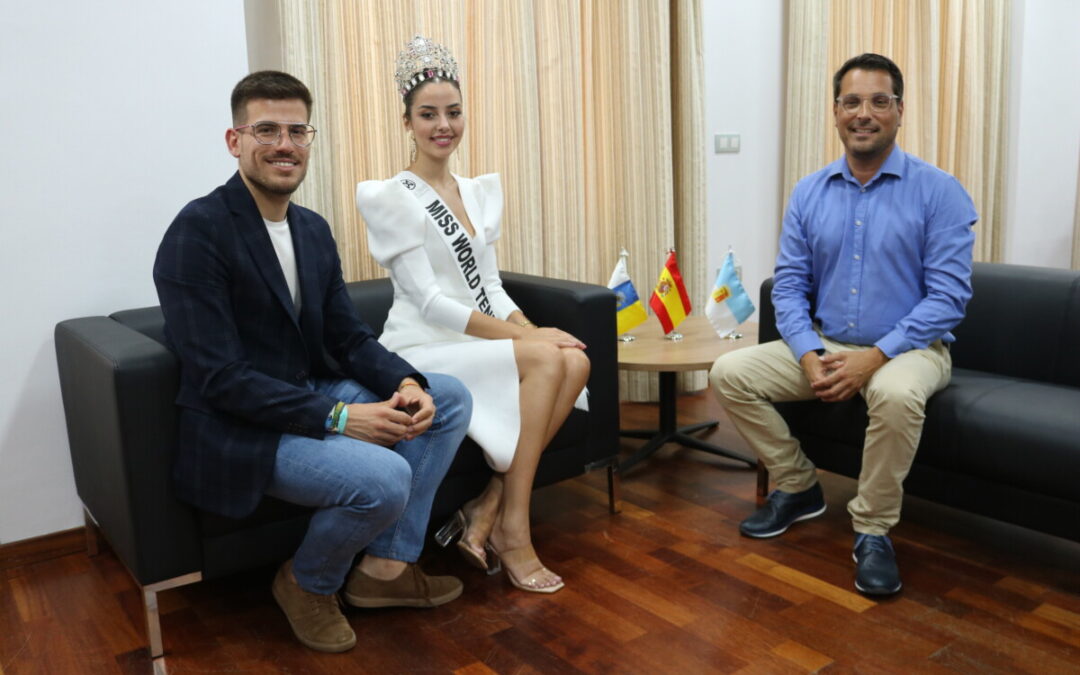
(873, 272)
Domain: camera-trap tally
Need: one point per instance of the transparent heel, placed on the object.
(450, 529)
(494, 561)
(455, 527)
(532, 583)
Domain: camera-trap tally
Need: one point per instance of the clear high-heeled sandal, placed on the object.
(457, 526)
(451, 528)
(530, 582)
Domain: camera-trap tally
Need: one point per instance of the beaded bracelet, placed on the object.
(409, 384)
(342, 420)
(333, 419)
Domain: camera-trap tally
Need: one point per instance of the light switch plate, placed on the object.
(726, 143)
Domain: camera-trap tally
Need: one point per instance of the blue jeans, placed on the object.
(368, 496)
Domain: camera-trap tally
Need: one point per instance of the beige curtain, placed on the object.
(591, 111)
(954, 56)
(687, 101)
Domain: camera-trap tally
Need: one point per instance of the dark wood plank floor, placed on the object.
(667, 586)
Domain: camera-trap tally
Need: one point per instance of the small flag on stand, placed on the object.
(728, 304)
(669, 299)
(629, 311)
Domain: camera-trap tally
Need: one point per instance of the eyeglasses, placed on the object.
(878, 102)
(268, 133)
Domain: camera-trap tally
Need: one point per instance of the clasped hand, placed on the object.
(404, 416)
(841, 375)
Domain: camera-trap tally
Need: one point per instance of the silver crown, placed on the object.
(421, 59)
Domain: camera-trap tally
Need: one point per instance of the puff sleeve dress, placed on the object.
(433, 303)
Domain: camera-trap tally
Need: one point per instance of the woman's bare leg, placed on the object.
(480, 512)
(577, 368)
(483, 511)
(541, 369)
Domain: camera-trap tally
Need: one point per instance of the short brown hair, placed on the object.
(870, 61)
(272, 84)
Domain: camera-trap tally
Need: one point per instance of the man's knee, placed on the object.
(453, 402)
(390, 493)
(892, 397)
(376, 488)
(725, 376)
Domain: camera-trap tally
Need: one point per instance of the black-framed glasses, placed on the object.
(879, 103)
(268, 133)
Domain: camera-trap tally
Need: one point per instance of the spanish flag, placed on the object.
(669, 299)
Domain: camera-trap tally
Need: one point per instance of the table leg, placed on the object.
(669, 432)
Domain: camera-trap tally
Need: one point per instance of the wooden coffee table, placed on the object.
(698, 349)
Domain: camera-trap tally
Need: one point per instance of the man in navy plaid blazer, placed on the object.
(254, 303)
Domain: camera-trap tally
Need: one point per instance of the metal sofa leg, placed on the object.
(94, 539)
(93, 534)
(614, 487)
(762, 482)
(150, 604)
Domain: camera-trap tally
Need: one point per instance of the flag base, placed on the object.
(626, 337)
(674, 336)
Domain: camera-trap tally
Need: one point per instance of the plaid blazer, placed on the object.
(245, 354)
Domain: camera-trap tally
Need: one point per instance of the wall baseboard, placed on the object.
(45, 547)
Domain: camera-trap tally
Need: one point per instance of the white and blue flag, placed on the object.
(728, 304)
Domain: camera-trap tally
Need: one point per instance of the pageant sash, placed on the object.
(452, 234)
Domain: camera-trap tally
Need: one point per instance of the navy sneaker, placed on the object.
(781, 510)
(876, 571)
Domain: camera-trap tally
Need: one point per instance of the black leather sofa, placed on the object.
(1003, 439)
(118, 382)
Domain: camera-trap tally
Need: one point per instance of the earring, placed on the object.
(412, 147)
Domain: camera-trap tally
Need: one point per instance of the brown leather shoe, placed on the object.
(316, 619)
(412, 588)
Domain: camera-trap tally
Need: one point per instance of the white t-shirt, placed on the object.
(281, 238)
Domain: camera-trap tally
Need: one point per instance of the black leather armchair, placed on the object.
(1003, 439)
(118, 382)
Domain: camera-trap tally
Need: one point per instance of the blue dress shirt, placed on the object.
(887, 263)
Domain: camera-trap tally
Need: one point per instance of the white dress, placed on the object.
(433, 303)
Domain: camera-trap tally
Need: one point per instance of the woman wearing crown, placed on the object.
(435, 232)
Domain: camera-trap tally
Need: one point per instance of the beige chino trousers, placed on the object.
(747, 381)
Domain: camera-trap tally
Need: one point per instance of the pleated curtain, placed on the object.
(591, 111)
(954, 55)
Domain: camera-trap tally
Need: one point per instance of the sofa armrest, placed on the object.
(1021, 322)
(118, 387)
(372, 298)
(586, 311)
(767, 314)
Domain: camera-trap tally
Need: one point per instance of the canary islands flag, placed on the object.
(669, 299)
(629, 311)
(728, 304)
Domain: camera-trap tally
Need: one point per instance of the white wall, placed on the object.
(744, 94)
(115, 115)
(1044, 150)
(89, 182)
(744, 85)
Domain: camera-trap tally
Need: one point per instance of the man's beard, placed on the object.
(283, 190)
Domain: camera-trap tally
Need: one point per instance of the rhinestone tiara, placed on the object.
(422, 59)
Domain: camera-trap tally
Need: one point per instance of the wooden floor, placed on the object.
(667, 586)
